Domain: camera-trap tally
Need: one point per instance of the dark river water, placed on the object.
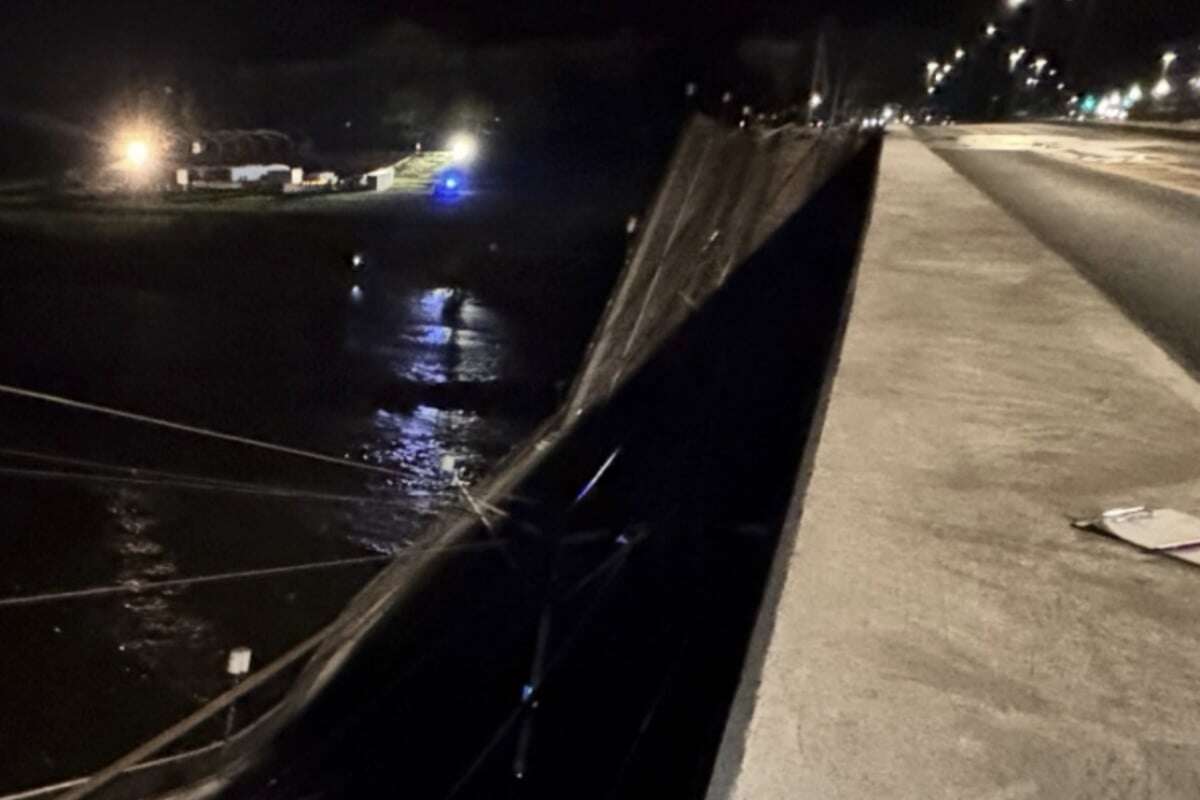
(450, 346)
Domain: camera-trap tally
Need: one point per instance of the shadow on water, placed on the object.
(597, 657)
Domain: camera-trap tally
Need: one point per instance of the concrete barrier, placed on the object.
(936, 628)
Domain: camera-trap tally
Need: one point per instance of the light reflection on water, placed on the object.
(429, 336)
(413, 442)
(443, 336)
(422, 338)
(448, 336)
(151, 623)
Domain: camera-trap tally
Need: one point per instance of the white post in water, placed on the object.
(237, 666)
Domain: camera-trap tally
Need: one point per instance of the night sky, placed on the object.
(43, 34)
(67, 59)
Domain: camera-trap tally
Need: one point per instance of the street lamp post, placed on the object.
(1014, 60)
(814, 102)
(1163, 88)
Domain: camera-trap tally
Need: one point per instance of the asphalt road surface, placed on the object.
(1124, 208)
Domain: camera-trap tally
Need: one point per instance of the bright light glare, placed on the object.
(464, 148)
(1109, 107)
(990, 30)
(137, 148)
(1015, 4)
(815, 100)
(1161, 89)
(1168, 58)
(137, 153)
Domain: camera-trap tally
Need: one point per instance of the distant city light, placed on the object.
(960, 54)
(990, 30)
(932, 67)
(1168, 58)
(1134, 95)
(136, 149)
(463, 147)
(1161, 89)
(1040, 64)
(137, 153)
(1109, 107)
(1014, 58)
(815, 100)
(1016, 4)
